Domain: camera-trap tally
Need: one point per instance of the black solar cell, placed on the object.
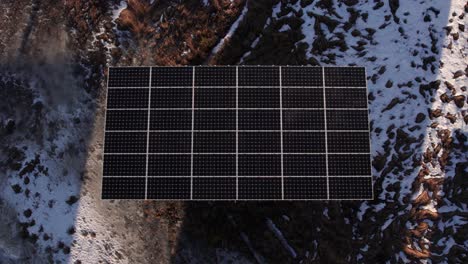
(260, 165)
(347, 120)
(214, 165)
(259, 120)
(127, 120)
(215, 120)
(171, 98)
(302, 97)
(125, 142)
(302, 76)
(127, 98)
(123, 188)
(302, 188)
(214, 188)
(129, 77)
(173, 188)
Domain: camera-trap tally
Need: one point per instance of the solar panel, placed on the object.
(237, 133)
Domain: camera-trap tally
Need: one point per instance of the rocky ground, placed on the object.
(53, 59)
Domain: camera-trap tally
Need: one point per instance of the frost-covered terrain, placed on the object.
(53, 59)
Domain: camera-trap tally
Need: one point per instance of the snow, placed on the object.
(279, 235)
(116, 12)
(231, 31)
(284, 28)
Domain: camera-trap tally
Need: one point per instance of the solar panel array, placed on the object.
(237, 133)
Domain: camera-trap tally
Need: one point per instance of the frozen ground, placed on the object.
(51, 120)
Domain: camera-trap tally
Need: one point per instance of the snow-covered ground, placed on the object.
(50, 177)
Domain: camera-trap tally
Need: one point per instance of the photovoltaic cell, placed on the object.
(310, 188)
(259, 120)
(302, 98)
(237, 133)
(129, 77)
(127, 98)
(170, 98)
(215, 76)
(127, 120)
(345, 77)
(171, 76)
(302, 76)
(214, 165)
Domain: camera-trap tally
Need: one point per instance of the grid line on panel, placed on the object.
(281, 131)
(326, 139)
(237, 132)
(193, 125)
(148, 134)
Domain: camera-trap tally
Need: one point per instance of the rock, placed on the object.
(420, 117)
(445, 98)
(435, 113)
(459, 100)
(378, 5)
(392, 104)
(16, 188)
(379, 162)
(355, 33)
(429, 87)
(451, 117)
(27, 213)
(71, 200)
(457, 74)
(461, 27)
(455, 36)
(449, 86)
(389, 84)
